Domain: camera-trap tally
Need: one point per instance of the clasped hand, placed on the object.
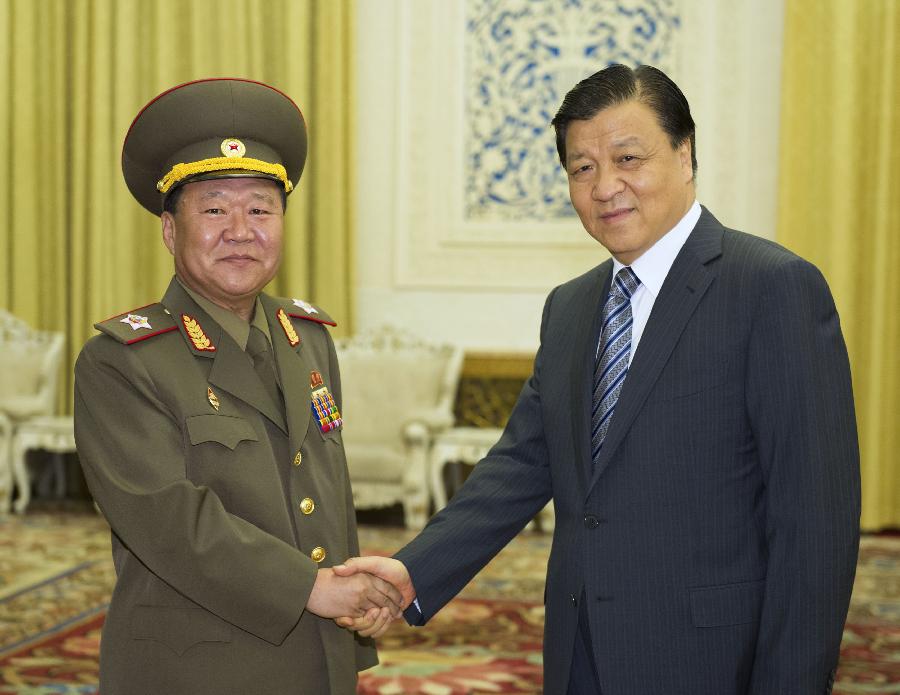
(365, 594)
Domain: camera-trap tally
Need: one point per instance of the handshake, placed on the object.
(365, 594)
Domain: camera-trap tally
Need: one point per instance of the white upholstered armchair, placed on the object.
(29, 383)
(398, 393)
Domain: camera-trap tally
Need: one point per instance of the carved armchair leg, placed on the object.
(20, 474)
(6, 478)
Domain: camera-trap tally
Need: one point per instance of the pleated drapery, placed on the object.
(839, 204)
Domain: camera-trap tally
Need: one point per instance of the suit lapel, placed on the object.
(587, 320)
(231, 370)
(684, 287)
(293, 372)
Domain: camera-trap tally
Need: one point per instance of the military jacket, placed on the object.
(222, 505)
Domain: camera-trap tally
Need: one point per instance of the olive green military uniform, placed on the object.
(226, 488)
(217, 501)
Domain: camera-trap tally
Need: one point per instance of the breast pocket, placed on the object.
(690, 378)
(227, 430)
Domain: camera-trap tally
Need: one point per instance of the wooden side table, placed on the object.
(468, 445)
(53, 433)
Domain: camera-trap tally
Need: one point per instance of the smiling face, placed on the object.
(226, 238)
(627, 183)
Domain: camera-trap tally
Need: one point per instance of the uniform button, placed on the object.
(318, 554)
(590, 521)
(307, 505)
(573, 600)
(298, 459)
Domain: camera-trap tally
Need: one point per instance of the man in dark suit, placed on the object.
(691, 415)
(208, 426)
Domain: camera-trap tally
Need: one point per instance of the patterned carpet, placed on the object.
(55, 579)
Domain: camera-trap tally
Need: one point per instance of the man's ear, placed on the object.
(168, 230)
(684, 156)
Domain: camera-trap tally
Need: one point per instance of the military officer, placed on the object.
(209, 429)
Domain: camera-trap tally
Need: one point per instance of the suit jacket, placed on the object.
(715, 541)
(201, 478)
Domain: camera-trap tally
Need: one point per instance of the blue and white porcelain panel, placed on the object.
(522, 56)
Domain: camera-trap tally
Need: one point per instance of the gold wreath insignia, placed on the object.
(288, 327)
(200, 340)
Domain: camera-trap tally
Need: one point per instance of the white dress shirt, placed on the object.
(651, 268)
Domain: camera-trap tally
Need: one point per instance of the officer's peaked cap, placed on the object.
(220, 127)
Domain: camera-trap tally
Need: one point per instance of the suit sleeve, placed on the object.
(131, 450)
(801, 409)
(505, 491)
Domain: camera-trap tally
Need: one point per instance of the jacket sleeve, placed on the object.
(800, 403)
(505, 491)
(131, 448)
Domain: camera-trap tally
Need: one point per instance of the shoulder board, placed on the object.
(299, 309)
(138, 324)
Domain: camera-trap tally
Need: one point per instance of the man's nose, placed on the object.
(239, 228)
(607, 184)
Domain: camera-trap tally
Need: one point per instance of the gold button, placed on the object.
(307, 506)
(298, 459)
(318, 554)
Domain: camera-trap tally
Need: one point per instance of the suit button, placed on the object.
(318, 554)
(298, 459)
(307, 505)
(590, 521)
(573, 600)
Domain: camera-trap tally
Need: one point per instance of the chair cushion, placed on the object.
(21, 371)
(382, 392)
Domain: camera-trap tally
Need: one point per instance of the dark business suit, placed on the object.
(712, 548)
(201, 478)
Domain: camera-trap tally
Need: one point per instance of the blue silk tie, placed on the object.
(612, 361)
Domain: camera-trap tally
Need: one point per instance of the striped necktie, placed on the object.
(614, 352)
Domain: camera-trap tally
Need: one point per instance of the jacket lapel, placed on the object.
(587, 320)
(684, 287)
(293, 372)
(231, 370)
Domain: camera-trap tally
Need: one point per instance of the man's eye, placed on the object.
(582, 168)
(214, 211)
(258, 211)
(626, 158)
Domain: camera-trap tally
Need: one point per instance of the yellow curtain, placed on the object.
(75, 248)
(839, 204)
